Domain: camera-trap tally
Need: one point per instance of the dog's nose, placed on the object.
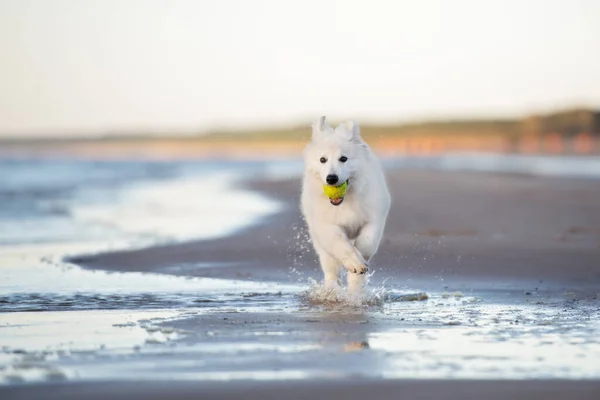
(332, 179)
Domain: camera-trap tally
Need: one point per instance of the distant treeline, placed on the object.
(564, 123)
(567, 123)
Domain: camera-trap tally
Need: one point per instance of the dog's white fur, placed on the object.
(347, 235)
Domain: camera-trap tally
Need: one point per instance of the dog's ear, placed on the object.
(320, 128)
(349, 130)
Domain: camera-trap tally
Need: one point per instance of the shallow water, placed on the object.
(289, 339)
(51, 310)
(125, 204)
(146, 326)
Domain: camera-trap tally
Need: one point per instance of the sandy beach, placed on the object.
(510, 264)
(444, 228)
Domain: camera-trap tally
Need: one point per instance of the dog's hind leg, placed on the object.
(331, 268)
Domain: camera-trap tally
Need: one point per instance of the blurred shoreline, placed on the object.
(571, 132)
(243, 149)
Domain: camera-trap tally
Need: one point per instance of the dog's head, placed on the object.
(334, 153)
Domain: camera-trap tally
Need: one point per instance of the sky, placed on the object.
(84, 67)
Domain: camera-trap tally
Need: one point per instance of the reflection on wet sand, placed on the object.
(295, 335)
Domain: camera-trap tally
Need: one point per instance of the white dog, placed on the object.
(345, 231)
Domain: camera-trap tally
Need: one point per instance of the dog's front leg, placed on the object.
(366, 243)
(330, 266)
(334, 241)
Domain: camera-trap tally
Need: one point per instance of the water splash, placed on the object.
(340, 298)
(299, 252)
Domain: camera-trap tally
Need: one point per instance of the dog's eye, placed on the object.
(343, 158)
(323, 160)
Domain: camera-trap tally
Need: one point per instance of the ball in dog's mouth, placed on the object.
(336, 193)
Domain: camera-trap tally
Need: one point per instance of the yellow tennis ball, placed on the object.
(336, 192)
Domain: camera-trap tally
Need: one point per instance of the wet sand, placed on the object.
(444, 228)
(367, 389)
(524, 252)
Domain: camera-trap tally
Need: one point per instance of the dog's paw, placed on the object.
(362, 270)
(358, 268)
